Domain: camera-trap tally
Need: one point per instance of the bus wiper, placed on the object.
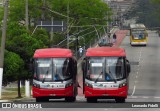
(98, 76)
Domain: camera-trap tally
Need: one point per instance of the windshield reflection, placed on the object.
(138, 34)
(105, 68)
(52, 69)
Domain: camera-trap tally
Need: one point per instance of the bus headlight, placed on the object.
(89, 85)
(36, 85)
(122, 84)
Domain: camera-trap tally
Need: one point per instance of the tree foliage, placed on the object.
(146, 13)
(14, 66)
(156, 4)
(82, 13)
(21, 43)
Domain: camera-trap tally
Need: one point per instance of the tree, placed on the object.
(42, 35)
(156, 4)
(145, 12)
(21, 43)
(17, 10)
(20, 46)
(13, 70)
(82, 13)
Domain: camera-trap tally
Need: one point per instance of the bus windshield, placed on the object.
(105, 68)
(52, 69)
(138, 33)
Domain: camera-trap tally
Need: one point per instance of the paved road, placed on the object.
(144, 77)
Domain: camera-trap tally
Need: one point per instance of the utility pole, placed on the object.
(27, 15)
(27, 82)
(51, 33)
(52, 30)
(43, 9)
(4, 28)
(68, 25)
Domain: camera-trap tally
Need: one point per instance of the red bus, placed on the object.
(105, 74)
(55, 71)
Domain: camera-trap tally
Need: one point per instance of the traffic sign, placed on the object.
(55, 26)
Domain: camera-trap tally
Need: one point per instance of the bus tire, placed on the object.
(38, 100)
(91, 100)
(120, 100)
(70, 99)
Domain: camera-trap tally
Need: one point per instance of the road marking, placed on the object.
(157, 97)
(133, 90)
(145, 97)
(135, 82)
(136, 76)
(140, 55)
(132, 97)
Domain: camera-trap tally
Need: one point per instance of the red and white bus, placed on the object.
(105, 74)
(55, 71)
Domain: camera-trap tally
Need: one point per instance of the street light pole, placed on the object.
(4, 28)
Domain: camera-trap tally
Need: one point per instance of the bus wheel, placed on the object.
(38, 100)
(70, 99)
(91, 100)
(120, 100)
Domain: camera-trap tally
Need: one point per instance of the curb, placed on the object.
(5, 101)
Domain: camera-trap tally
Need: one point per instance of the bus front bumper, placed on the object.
(138, 43)
(106, 93)
(37, 92)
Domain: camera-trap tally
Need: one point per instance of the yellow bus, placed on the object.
(138, 34)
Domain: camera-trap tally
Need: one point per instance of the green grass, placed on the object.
(12, 93)
(15, 89)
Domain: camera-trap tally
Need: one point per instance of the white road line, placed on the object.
(157, 97)
(136, 76)
(135, 82)
(133, 97)
(133, 90)
(137, 72)
(145, 97)
(140, 55)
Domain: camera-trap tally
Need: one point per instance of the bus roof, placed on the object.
(52, 52)
(105, 51)
(137, 26)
